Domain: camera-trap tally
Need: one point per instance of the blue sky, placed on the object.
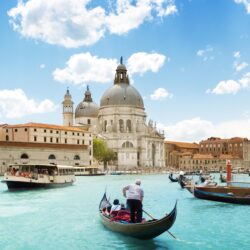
(189, 59)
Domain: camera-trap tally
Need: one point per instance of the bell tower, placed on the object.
(68, 107)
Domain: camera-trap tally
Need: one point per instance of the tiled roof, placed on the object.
(47, 126)
(219, 140)
(42, 145)
(184, 144)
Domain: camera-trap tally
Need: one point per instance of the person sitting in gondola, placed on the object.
(115, 207)
(134, 194)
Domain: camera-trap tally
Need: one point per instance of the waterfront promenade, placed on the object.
(67, 218)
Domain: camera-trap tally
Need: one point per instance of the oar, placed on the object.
(155, 219)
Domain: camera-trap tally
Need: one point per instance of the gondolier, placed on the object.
(134, 194)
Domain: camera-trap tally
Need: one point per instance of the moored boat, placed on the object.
(31, 176)
(144, 230)
(88, 171)
(171, 178)
(234, 192)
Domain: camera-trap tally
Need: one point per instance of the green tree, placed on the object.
(102, 153)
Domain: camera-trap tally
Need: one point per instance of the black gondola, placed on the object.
(145, 230)
(223, 178)
(173, 179)
(183, 181)
(228, 197)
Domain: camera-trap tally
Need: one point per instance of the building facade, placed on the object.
(211, 154)
(44, 143)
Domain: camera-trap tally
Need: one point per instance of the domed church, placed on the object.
(121, 122)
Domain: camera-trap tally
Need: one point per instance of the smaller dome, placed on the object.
(87, 108)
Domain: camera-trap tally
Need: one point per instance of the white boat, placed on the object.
(87, 171)
(29, 176)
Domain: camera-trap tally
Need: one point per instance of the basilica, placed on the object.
(121, 121)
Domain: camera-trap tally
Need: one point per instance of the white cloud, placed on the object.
(205, 54)
(240, 66)
(231, 86)
(85, 68)
(245, 80)
(160, 94)
(61, 22)
(74, 23)
(226, 87)
(15, 104)
(196, 129)
(246, 3)
(142, 62)
(236, 54)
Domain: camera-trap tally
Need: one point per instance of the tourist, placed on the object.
(134, 195)
(115, 207)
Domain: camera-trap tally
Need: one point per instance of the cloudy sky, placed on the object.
(189, 59)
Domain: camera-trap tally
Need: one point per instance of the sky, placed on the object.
(189, 59)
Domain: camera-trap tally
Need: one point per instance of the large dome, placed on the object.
(122, 93)
(87, 108)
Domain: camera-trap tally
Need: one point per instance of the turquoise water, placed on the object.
(67, 218)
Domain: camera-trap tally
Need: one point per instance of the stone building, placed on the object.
(44, 143)
(212, 155)
(121, 122)
(176, 151)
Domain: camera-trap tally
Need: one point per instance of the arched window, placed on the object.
(51, 157)
(121, 125)
(76, 157)
(7, 137)
(105, 126)
(128, 125)
(24, 156)
(127, 144)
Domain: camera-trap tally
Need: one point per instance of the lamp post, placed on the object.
(229, 168)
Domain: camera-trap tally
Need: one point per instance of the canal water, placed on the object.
(67, 218)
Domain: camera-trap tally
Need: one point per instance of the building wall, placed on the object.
(12, 152)
(125, 131)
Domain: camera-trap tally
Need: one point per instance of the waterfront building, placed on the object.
(210, 155)
(121, 122)
(44, 143)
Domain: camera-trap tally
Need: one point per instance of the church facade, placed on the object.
(121, 121)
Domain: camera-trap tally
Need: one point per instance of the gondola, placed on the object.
(183, 181)
(173, 179)
(146, 230)
(223, 178)
(234, 192)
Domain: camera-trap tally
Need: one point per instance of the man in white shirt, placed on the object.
(134, 195)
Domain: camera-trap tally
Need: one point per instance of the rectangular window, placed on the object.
(89, 152)
(57, 132)
(73, 133)
(78, 134)
(89, 121)
(89, 142)
(65, 133)
(51, 139)
(45, 139)
(82, 141)
(35, 138)
(57, 140)
(7, 130)
(82, 134)
(16, 130)
(25, 129)
(51, 131)
(44, 131)
(78, 141)
(34, 129)
(65, 140)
